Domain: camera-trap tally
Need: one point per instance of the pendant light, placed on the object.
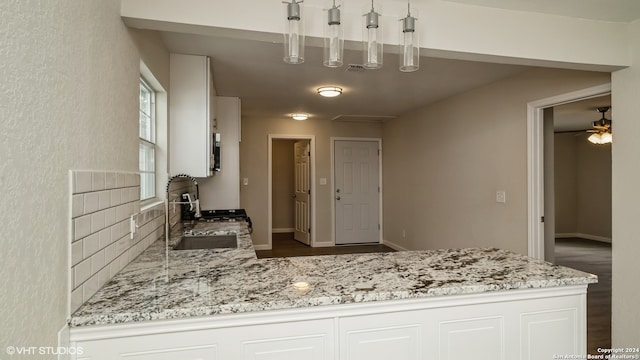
(294, 33)
(372, 39)
(333, 37)
(409, 50)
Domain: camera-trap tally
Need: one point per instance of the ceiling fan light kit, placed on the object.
(372, 36)
(602, 129)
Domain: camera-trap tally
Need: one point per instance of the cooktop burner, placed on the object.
(226, 214)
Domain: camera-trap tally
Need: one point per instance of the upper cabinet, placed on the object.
(192, 112)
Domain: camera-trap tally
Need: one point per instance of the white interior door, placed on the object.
(302, 191)
(357, 192)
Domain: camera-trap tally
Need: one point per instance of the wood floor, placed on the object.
(283, 245)
(593, 257)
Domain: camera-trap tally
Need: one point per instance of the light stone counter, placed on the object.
(191, 283)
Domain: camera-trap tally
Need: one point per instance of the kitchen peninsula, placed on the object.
(439, 304)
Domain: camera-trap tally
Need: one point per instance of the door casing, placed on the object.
(312, 184)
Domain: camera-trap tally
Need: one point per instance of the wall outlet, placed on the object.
(323, 181)
(501, 196)
(404, 233)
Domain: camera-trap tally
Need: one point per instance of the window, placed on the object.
(147, 142)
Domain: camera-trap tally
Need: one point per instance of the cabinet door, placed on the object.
(383, 336)
(193, 345)
(190, 115)
(308, 340)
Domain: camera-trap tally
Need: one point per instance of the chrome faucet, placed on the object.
(194, 205)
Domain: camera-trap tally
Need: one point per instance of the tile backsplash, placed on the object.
(102, 204)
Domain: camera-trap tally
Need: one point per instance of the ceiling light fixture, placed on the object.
(329, 91)
(300, 116)
(372, 39)
(602, 129)
(294, 33)
(409, 50)
(333, 37)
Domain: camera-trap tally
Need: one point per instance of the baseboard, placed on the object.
(64, 342)
(282, 230)
(584, 236)
(262, 247)
(394, 246)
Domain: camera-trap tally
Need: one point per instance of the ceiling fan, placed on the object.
(601, 132)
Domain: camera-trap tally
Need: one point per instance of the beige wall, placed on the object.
(583, 173)
(69, 73)
(626, 199)
(282, 186)
(444, 163)
(253, 165)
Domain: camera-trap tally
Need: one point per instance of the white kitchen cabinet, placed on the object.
(531, 324)
(191, 111)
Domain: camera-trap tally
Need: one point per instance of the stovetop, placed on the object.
(225, 214)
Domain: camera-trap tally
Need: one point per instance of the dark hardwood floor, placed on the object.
(283, 245)
(593, 257)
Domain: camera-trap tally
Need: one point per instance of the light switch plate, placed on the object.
(501, 196)
(323, 181)
(245, 181)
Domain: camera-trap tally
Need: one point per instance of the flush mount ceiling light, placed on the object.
(329, 91)
(300, 116)
(601, 129)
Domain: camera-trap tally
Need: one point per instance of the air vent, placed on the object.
(354, 68)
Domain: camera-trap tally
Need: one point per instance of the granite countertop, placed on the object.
(189, 283)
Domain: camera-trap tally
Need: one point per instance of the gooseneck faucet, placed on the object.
(194, 205)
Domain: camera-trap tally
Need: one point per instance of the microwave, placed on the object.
(215, 152)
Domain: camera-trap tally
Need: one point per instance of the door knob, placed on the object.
(338, 197)
(293, 196)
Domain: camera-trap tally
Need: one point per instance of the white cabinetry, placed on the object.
(523, 324)
(191, 110)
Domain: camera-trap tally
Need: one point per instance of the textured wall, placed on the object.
(444, 163)
(69, 100)
(626, 200)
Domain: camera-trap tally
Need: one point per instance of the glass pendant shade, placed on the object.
(294, 33)
(606, 138)
(409, 44)
(595, 138)
(333, 36)
(372, 39)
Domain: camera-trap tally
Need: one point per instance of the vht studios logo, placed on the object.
(43, 350)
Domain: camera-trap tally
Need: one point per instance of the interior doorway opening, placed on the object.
(291, 201)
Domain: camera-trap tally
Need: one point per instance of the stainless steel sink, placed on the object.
(226, 241)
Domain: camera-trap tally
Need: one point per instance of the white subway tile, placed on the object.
(82, 182)
(91, 202)
(76, 252)
(110, 180)
(90, 288)
(76, 299)
(81, 272)
(134, 193)
(136, 180)
(113, 268)
(97, 221)
(97, 181)
(77, 205)
(90, 245)
(105, 199)
(110, 253)
(115, 232)
(103, 276)
(121, 180)
(122, 212)
(109, 217)
(130, 179)
(121, 246)
(97, 261)
(81, 227)
(104, 238)
(116, 198)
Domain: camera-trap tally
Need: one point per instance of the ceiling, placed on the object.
(580, 115)
(606, 10)
(255, 72)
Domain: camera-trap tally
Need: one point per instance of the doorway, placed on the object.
(357, 191)
(291, 200)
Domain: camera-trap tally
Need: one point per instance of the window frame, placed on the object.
(152, 142)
